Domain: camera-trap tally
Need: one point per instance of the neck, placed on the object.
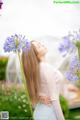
(43, 59)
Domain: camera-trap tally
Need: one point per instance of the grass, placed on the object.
(14, 101)
(64, 106)
(74, 113)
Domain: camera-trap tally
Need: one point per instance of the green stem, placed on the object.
(24, 80)
(78, 52)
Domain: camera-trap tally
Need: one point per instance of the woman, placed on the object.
(42, 82)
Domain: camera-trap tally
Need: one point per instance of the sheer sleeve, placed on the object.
(56, 90)
(58, 110)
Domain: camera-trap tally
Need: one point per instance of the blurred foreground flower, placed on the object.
(17, 43)
(66, 46)
(71, 45)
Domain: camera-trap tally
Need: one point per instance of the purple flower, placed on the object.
(66, 46)
(16, 43)
(70, 76)
(75, 63)
(74, 70)
(70, 44)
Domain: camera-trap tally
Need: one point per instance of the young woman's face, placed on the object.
(40, 49)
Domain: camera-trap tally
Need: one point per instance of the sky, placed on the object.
(36, 18)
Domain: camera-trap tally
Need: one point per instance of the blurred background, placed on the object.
(46, 22)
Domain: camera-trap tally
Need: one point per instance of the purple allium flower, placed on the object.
(74, 69)
(75, 63)
(70, 76)
(16, 43)
(71, 44)
(66, 46)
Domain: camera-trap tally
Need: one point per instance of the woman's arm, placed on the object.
(54, 87)
(58, 110)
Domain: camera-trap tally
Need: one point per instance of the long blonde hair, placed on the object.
(31, 70)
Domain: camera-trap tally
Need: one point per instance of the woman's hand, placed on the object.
(45, 100)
